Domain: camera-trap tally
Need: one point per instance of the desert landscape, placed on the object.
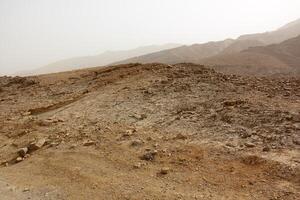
(262, 54)
(149, 131)
(212, 112)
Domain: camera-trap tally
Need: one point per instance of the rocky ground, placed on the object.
(149, 132)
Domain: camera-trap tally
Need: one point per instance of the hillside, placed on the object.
(282, 58)
(286, 32)
(240, 45)
(183, 54)
(287, 51)
(197, 52)
(97, 60)
(149, 131)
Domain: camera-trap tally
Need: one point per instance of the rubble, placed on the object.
(89, 143)
(180, 137)
(249, 144)
(137, 142)
(149, 156)
(129, 132)
(37, 145)
(199, 127)
(164, 170)
(137, 165)
(19, 159)
(23, 151)
(266, 149)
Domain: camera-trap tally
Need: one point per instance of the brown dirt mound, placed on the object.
(203, 134)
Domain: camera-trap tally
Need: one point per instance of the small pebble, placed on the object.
(164, 170)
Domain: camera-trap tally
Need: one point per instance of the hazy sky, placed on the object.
(34, 33)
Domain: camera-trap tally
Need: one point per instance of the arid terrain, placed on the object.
(269, 53)
(150, 131)
(282, 58)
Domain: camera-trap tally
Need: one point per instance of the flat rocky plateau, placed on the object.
(149, 132)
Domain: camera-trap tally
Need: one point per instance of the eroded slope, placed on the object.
(151, 132)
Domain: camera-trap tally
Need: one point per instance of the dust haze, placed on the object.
(36, 33)
(148, 100)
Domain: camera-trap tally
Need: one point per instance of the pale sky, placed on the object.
(34, 33)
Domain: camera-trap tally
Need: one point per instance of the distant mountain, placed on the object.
(282, 58)
(227, 53)
(286, 32)
(239, 45)
(183, 54)
(197, 52)
(97, 60)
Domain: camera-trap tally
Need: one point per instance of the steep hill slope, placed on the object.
(287, 51)
(283, 58)
(149, 132)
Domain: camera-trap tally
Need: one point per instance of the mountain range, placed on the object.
(274, 52)
(256, 54)
(97, 60)
(282, 58)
